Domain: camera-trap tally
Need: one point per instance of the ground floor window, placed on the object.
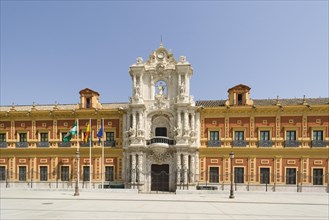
(264, 175)
(43, 173)
(109, 174)
(214, 175)
(2, 173)
(22, 173)
(317, 176)
(86, 173)
(291, 176)
(65, 173)
(239, 175)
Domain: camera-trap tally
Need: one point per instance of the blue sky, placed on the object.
(50, 50)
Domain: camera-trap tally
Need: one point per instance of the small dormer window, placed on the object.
(239, 95)
(87, 102)
(240, 99)
(89, 99)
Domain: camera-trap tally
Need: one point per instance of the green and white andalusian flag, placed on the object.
(73, 131)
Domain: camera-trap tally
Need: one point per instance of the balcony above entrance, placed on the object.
(160, 142)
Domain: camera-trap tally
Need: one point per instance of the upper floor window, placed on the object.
(2, 137)
(214, 135)
(240, 101)
(317, 135)
(239, 135)
(87, 102)
(109, 136)
(22, 137)
(291, 135)
(44, 137)
(264, 135)
(63, 135)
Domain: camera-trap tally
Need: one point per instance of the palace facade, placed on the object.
(162, 140)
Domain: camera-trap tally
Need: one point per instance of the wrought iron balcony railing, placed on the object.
(64, 144)
(109, 143)
(85, 144)
(239, 143)
(319, 143)
(161, 140)
(43, 144)
(265, 143)
(22, 144)
(291, 143)
(214, 143)
(3, 144)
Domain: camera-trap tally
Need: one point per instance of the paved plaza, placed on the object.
(98, 204)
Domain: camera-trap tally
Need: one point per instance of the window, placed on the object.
(43, 173)
(214, 135)
(239, 99)
(86, 173)
(44, 137)
(317, 176)
(109, 175)
(161, 131)
(22, 173)
(291, 135)
(87, 102)
(65, 173)
(214, 175)
(22, 137)
(2, 137)
(239, 174)
(63, 135)
(239, 135)
(317, 135)
(264, 175)
(2, 173)
(264, 135)
(291, 176)
(109, 136)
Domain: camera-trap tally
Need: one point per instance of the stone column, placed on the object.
(192, 168)
(193, 121)
(179, 120)
(133, 168)
(140, 167)
(186, 128)
(178, 166)
(140, 120)
(134, 122)
(185, 165)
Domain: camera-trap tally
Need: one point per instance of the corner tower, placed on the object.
(161, 124)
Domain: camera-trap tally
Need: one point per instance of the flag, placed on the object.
(70, 133)
(100, 135)
(87, 134)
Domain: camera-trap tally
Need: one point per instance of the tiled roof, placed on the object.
(205, 103)
(59, 107)
(268, 102)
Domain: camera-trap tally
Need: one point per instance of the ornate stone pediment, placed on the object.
(160, 155)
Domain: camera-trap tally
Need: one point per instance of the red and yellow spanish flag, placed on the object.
(87, 134)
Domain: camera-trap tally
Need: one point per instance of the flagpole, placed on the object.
(102, 126)
(90, 136)
(78, 150)
(76, 193)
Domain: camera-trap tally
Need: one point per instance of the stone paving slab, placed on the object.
(98, 204)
